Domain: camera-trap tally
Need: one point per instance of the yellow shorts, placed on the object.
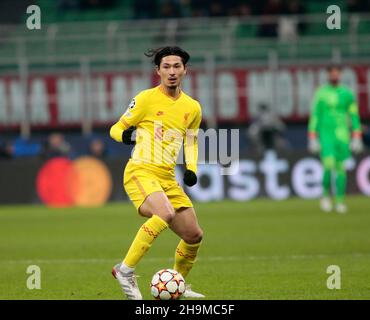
(141, 181)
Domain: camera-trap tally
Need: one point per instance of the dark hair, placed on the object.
(332, 66)
(159, 53)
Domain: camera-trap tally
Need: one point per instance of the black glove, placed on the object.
(127, 136)
(190, 178)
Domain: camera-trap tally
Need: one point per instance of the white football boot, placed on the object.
(191, 294)
(341, 208)
(128, 283)
(325, 204)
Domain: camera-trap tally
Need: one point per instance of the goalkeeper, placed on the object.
(329, 134)
(165, 118)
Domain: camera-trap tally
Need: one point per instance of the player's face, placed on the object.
(171, 70)
(334, 76)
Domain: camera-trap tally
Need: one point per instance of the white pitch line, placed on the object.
(156, 259)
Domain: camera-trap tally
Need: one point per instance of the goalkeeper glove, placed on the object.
(127, 136)
(357, 145)
(190, 178)
(313, 145)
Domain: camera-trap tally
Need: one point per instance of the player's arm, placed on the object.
(356, 143)
(124, 128)
(313, 124)
(121, 133)
(191, 150)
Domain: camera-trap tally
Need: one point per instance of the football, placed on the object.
(167, 284)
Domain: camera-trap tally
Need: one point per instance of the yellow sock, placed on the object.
(144, 238)
(185, 257)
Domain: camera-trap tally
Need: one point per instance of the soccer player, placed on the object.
(329, 134)
(165, 118)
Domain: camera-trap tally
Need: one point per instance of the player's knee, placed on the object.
(167, 213)
(199, 236)
(163, 210)
(194, 237)
(169, 217)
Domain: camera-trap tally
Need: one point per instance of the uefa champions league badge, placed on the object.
(130, 106)
(132, 103)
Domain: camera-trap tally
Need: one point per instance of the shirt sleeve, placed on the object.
(132, 116)
(135, 111)
(354, 115)
(313, 123)
(191, 142)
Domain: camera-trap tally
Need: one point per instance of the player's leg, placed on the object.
(160, 212)
(148, 197)
(185, 225)
(328, 166)
(340, 186)
(342, 154)
(328, 163)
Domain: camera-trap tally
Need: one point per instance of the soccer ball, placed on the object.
(167, 284)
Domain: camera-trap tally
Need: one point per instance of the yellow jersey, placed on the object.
(163, 125)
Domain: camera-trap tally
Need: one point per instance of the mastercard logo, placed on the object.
(84, 182)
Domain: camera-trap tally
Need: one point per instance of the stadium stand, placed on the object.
(73, 31)
(117, 31)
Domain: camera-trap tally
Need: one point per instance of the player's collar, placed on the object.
(167, 95)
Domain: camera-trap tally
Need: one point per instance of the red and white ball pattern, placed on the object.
(167, 284)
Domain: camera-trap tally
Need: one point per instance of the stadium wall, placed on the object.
(272, 175)
(68, 99)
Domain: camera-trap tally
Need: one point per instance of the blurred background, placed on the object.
(254, 66)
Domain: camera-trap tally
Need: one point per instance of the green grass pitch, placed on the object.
(260, 249)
